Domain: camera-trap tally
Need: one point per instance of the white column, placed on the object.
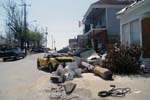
(121, 31)
(129, 33)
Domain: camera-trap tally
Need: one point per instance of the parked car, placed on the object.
(12, 53)
(38, 50)
(51, 62)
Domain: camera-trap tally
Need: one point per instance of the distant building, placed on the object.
(135, 25)
(80, 42)
(100, 23)
(73, 44)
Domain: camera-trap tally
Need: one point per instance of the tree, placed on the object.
(14, 22)
(17, 30)
(35, 38)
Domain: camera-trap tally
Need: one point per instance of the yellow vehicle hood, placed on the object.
(64, 58)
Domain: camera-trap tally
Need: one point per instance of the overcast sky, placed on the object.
(60, 16)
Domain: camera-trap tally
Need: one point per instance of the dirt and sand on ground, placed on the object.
(20, 80)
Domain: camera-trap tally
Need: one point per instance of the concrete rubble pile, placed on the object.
(65, 74)
(90, 61)
(80, 65)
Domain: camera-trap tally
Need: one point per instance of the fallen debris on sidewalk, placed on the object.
(65, 74)
(69, 87)
(90, 56)
(58, 92)
(102, 72)
(72, 70)
(63, 92)
(86, 66)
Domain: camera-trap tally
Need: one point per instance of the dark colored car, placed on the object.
(13, 53)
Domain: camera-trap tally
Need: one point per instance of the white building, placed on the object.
(135, 25)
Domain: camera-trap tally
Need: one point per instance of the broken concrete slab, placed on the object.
(60, 70)
(70, 75)
(72, 70)
(78, 72)
(88, 66)
(69, 87)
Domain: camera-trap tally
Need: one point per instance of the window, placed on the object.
(134, 32)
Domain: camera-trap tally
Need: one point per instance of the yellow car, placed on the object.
(51, 62)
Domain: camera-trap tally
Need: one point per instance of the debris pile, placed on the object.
(88, 62)
(65, 74)
(68, 91)
(63, 92)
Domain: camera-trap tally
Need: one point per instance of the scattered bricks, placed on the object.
(102, 72)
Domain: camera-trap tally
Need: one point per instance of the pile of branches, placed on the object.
(123, 60)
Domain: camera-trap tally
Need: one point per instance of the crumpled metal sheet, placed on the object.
(90, 54)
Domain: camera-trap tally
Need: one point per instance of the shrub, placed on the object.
(123, 60)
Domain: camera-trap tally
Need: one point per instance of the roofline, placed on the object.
(139, 4)
(100, 6)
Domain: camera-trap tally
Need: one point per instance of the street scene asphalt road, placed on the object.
(21, 80)
(18, 79)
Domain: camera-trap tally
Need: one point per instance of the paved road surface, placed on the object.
(20, 80)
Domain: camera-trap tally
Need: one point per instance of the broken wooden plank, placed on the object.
(102, 72)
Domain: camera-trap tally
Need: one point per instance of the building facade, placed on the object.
(100, 23)
(73, 44)
(134, 25)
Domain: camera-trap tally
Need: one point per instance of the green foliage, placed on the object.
(123, 60)
(19, 31)
(36, 39)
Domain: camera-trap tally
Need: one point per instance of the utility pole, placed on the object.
(55, 45)
(52, 40)
(46, 36)
(25, 23)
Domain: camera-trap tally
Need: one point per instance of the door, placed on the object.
(146, 37)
